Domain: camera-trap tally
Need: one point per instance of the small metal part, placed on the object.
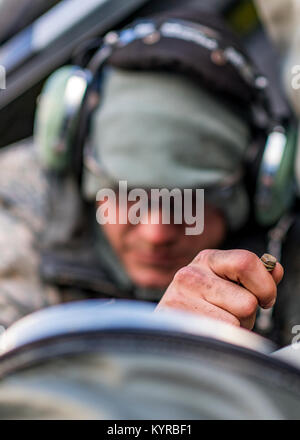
(111, 38)
(218, 57)
(261, 82)
(269, 262)
(152, 38)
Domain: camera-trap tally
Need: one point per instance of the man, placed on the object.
(150, 253)
(152, 130)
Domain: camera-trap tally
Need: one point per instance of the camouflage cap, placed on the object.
(160, 130)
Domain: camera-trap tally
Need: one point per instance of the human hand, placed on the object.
(225, 285)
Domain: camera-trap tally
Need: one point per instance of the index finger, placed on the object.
(245, 267)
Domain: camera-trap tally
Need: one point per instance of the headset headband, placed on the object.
(203, 36)
(207, 39)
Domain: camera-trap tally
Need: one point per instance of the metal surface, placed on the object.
(95, 315)
(35, 52)
(269, 262)
(119, 360)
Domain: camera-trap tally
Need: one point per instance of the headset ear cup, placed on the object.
(57, 117)
(275, 187)
(81, 134)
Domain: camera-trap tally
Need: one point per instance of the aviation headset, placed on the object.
(73, 92)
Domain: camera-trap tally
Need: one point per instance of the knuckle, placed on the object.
(247, 260)
(204, 255)
(191, 279)
(189, 275)
(183, 274)
(249, 306)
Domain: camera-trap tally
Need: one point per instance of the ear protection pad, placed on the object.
(57, 117)
(275, 187)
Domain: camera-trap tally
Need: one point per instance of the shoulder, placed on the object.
(23, 186)
(22, 192)
(21, 290)
(22, 213)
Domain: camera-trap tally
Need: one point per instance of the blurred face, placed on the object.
(153, 253)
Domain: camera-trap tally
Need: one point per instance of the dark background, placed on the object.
(27, 69)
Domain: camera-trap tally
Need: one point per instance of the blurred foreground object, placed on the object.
(33, 52)
(16, 14)
(118, 360)
(282, 20)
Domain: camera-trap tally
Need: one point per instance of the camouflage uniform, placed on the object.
(22, 219)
